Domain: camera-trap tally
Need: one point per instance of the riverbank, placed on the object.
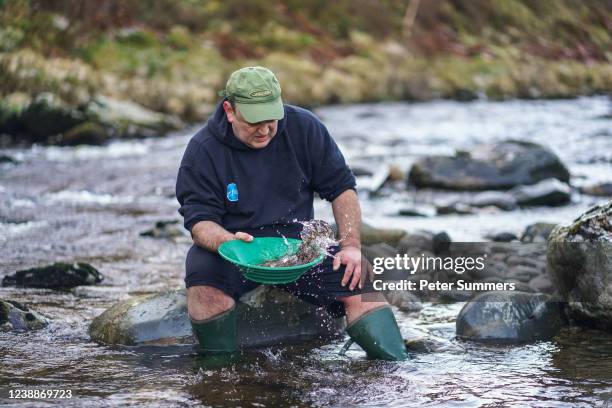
(170, 74)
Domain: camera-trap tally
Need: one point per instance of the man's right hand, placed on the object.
(210, 235)
(243, 236)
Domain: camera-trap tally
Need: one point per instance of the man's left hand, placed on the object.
(351, 257)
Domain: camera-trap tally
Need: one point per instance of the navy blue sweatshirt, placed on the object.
(260, 191)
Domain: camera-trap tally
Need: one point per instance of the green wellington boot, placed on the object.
(378, 335)
(217, 335)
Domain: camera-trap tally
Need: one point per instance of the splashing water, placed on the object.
(317, 237)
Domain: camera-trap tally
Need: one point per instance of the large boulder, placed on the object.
(265, 316)
(17, 317)
(509, 317)
(580, 266)
(56, 276)
(129, 119)
(489, 167)
(47, 118)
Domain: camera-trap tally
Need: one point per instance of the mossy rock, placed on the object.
(17, 317)
(48, 115)
(56, 276)
(265, 316)
(89, 133)
(129, 119)
(579, 259)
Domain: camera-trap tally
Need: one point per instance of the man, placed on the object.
(253, 171)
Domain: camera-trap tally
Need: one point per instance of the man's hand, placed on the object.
(351, 257)
(243, 236)
(210, 235)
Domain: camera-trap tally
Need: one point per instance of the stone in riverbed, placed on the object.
(499, 199)
(15, 316)
(489, 167)
(599, 190)
(510, 317)
(580, 266)
(403, 300)
(88, 133)
(371, 235)
(542, 284)
(537, 232)
(502, 236)
(455, 208)
(265, 316)
(422, 342)
(550, 192)
(166, 229)
(56, 276)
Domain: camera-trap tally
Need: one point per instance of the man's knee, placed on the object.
(205, 302)
(355, 306)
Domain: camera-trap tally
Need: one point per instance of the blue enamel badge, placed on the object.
(232, 192)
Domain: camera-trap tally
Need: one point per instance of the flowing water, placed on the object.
(91, 203)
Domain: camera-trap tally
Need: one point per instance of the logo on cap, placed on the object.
(259, 94)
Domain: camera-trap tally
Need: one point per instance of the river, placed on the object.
(90, 204)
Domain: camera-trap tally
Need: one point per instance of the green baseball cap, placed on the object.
(256, 93)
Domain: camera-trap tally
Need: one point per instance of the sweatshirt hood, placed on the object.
(222, 130)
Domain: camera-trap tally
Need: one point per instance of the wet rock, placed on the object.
(11, 107)
(403, 300)
(456, 295)
(381, 250)
(417, 211)
(520, 286)
(265, 316)
(550, 192)
(523, 273)
(426, 343)
(537, 232)
(455, 208)
(580, 266)
(88, 133)
(5, 158)
(440, 243)
(489, 167)
(167, 229)
(56, 276)
(374, 182)
(542, 284)
(599, 190)
(499, 199)
(509, 317)
(49, 119)
(502, 236)
(371, 235)
(361, 171)
(48, 115)
(15, 316)
(491, 270)
(415, 242)
(396, 173)
(130, 119)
